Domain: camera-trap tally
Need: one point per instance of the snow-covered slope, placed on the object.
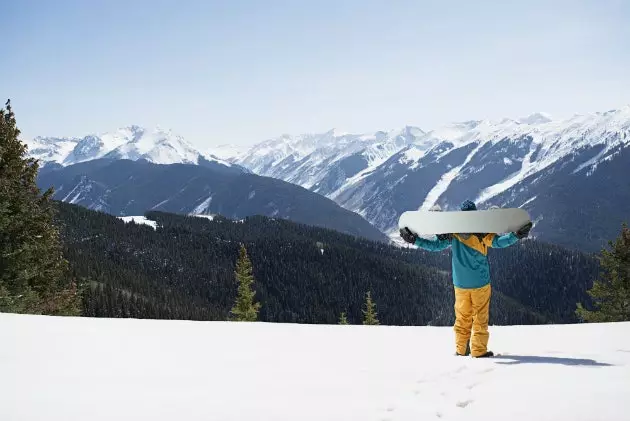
(142, 220)
(72, 369)
(158, 146)
(324, 162)
(511, 162)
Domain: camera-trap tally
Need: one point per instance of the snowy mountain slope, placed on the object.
(51, 149)
(323, 162)
(139, 220)
(125, 369)
(158, 146)
(521, 149)
(491, 162)
(124, 187)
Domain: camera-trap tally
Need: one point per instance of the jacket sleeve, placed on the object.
(502, 241)
(433, 245)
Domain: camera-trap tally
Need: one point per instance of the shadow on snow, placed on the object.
(533, 359)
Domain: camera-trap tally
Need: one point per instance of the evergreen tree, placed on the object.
(611, 294)
(343, 320)
(245, 309)
(369, 313)
(32, 267)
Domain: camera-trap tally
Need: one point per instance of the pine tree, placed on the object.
(369, 313)
(343, 320)
(33, 275)
(611, 294)
(245, 309)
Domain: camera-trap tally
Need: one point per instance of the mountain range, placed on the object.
(571, 174)
(158, 146)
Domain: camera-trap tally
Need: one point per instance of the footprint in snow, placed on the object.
(464, 404)
(460, 369)
(455, 373)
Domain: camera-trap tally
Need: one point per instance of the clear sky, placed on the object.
(236, 71)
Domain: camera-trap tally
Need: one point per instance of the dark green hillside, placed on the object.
(185, 270)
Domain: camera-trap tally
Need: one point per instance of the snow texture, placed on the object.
(413, 155)
(75, 193)
(203, 206)
(442, 185)
(306, 159)
(71, 369)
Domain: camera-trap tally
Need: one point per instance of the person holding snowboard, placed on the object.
(471, 280)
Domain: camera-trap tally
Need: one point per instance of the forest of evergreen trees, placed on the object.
(186, 270)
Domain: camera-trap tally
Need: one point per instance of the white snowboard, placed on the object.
(454, 222)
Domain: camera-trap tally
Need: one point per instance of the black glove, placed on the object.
(523, 232)
(443, 237)
(408, 236)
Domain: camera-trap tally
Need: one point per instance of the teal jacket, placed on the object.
(470, 255)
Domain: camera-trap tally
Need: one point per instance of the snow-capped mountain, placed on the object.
(529, 162)
(158, 146)
(324, 162)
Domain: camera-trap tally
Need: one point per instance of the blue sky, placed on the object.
(239, 72)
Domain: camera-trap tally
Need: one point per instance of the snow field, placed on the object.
(125, 369)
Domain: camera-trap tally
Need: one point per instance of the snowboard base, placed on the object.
(495, 221)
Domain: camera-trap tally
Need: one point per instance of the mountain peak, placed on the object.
(624, 110)
(335, 132)
(413, 131)
(135, 128)
(536, 118)
(133, 142)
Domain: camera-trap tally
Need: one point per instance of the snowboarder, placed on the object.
(471, 280)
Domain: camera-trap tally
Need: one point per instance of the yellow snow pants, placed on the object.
(472, 312)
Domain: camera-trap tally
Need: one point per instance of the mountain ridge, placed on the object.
(159, 146)
(126, 187)
(491, 162)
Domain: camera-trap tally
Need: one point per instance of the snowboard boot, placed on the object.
(486, 355)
